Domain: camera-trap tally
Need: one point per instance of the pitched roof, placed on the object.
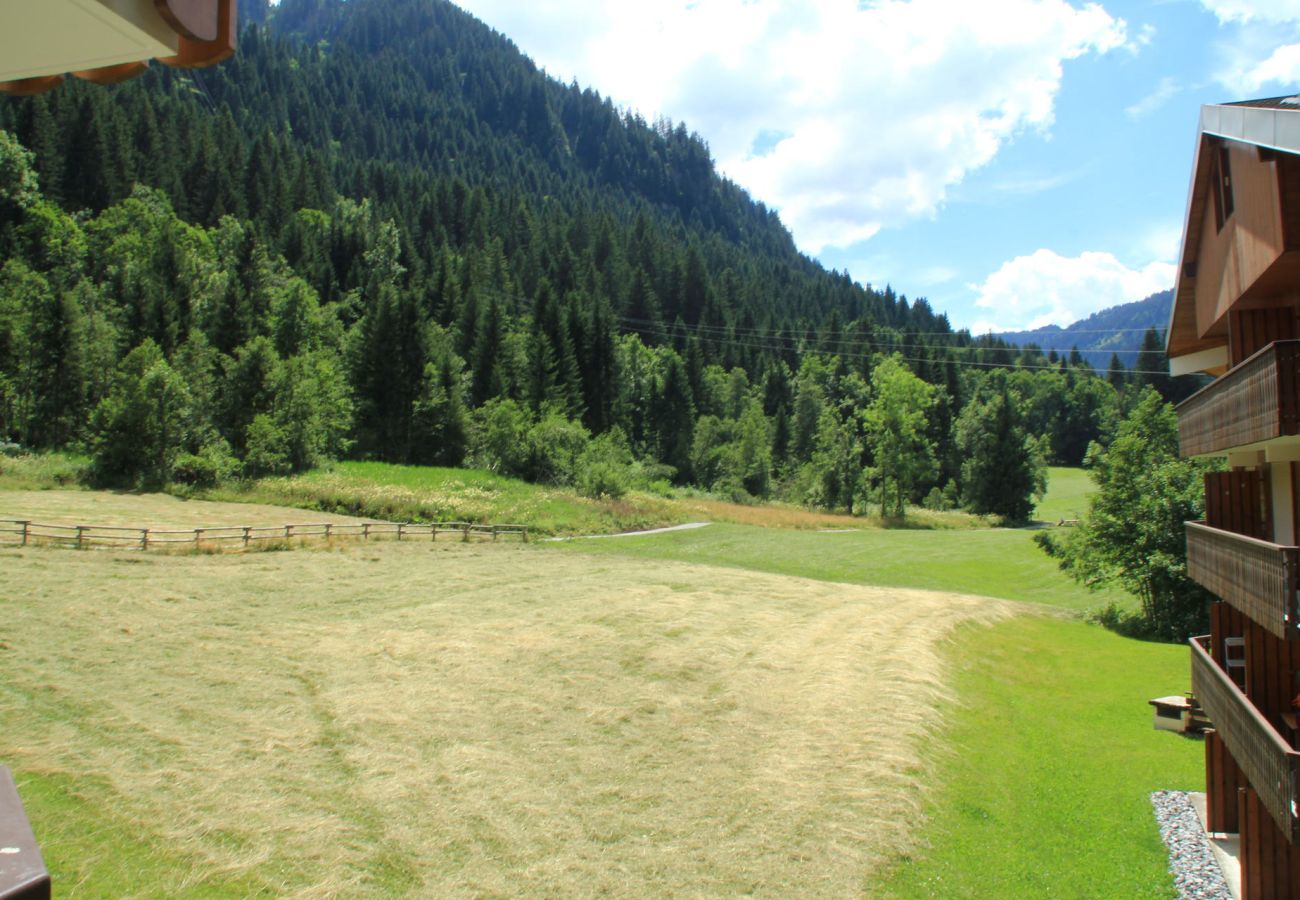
(1271, 123)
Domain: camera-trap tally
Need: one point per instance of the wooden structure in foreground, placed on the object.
(1235, 317)
(108, 41)
(23, 875)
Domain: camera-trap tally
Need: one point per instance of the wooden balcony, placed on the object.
(1254, 576)
(1266, 759)
(1254, 402)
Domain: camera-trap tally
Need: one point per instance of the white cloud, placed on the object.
(1249, 75)
(1259, 49)
(1045, 288)
(1163, 92)
(848, 117)
(1254, 10)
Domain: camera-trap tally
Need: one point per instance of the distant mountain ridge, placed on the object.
(1118, 329)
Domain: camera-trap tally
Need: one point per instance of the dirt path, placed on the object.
(588, 537)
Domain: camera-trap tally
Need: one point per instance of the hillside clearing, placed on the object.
(396, 718)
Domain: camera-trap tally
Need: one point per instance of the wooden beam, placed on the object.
(196, 20)
(29, 87)
(195, 54)
(113, 74)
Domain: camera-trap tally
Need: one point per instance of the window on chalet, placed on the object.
(1221, 187)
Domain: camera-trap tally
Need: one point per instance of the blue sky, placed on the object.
(1016, 162)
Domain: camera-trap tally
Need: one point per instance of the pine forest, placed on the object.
(381, 232)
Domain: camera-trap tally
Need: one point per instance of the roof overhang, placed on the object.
(105, 40)
(1268, 125)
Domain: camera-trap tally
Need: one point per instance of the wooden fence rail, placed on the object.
(23, 532)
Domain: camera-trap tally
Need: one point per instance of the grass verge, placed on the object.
(431, 494)
(1044, 787)
(42, 471)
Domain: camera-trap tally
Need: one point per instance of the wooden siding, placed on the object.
(1233, 258)
(1270, 864)
(1239, 501)
(1256, 401)
(1267, 761)
(1268, 677)
(1223, 778)
(1256, 577)
(1251, 330)
(1288, 181)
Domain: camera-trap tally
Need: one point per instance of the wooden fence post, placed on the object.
(365, 531)
(25, 527)
(288, 532)
(248, 533)
(327, 531)
(400, 526)
(144, 538)
(466, 537)
(494, 532)
(81, 530)
(198, 537)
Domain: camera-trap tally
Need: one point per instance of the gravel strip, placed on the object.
(1196, 871)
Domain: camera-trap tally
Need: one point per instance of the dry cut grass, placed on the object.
(147, 510)
(469, 720)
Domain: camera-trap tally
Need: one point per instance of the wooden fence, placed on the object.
(23, 532)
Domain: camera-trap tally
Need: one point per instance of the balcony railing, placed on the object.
(1255, 401)
(1266, 759)
(1254, 576)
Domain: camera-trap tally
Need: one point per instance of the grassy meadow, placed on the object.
(1067, 495)
(796, 708)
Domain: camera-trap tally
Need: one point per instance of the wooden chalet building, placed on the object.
(1235, 317)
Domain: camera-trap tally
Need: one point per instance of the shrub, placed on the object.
(267, 450)
(555, 445)
(213, 464)
(606, 468)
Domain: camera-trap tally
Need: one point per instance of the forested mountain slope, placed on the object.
(1117, 329)
(381, 231)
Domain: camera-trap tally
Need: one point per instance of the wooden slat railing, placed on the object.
(1255, 401)
(1266, 759)
(24, 532)
(1253, 576)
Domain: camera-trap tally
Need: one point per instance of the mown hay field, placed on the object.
(465, 719)
(147, 510)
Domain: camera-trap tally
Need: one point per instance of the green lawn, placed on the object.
(994, 562)
(1043, 787)
(1067, 495)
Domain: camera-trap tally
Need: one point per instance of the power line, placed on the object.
(665, 333)
(723, 332)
